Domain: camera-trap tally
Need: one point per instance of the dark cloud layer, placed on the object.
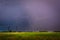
(29, 15)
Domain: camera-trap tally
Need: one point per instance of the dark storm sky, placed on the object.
(30, 15)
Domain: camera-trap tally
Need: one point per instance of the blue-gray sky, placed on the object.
(30, 15)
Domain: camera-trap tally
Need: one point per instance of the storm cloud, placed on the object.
(30, 15)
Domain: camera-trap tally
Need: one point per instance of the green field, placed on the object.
(29, 35)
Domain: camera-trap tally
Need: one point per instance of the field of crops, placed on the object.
(29, 36)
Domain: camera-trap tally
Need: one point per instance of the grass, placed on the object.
(29, 35)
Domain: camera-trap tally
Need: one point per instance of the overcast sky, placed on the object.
(30, 15)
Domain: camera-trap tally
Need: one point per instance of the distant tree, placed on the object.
(19, 31)
(43, 31)
(8, 27)
(56, 31)
(10, 30)
(16, 28)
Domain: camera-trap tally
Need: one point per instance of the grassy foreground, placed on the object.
(29, 36)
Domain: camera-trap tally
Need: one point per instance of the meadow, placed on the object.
(29, 35)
